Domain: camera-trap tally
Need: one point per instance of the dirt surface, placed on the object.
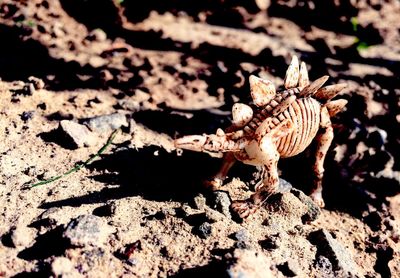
(73, 71)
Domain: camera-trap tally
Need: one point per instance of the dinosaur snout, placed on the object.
(191, 142)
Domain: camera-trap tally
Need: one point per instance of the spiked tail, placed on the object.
(209, 142)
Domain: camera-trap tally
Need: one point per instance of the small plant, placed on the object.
(78, 166)
(360, 45)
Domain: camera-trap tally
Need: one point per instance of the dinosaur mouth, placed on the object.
(191, 142)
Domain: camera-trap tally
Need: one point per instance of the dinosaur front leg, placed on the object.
(265, 153)
(216, 182)
(324, 140)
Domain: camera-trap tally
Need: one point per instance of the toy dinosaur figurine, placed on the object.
(282, 124)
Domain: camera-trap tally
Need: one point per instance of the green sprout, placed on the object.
(354, 23)
(78, 166)
(360, 45)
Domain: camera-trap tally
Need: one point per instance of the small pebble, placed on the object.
(77, 135)
(222, 203)
(37, 83)
(27, 115)
(22, 236)
(87, 230)
(205, 230)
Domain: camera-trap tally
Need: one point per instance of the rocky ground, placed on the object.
(72, 72)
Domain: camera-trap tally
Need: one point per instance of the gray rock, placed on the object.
(242, 239)
(313, 211)
(204, 230)
(221, 203)
(106, 123)
(77, 135)
(87, 230)
(340, 258)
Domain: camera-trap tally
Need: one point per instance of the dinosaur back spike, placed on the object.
(335, 106)
(292, 73)
(313, 87)
(262, 91)
(303, 78)
(326, 93)
(241, 114)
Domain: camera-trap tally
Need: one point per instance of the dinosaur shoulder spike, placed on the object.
(303, 77)
(328, 92)
(262, 91)
(292, 73)
(335, 106)
(241, 114)
(313, 87)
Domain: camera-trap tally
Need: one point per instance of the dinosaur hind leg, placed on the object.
(217, 180)
(324, 140)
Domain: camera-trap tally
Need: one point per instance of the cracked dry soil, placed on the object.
(73, 71)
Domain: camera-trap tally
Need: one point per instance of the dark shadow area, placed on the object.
(44, 271)
(46, 245)
(323, 14)
(20, 59)
(163, 177)
(213, 269)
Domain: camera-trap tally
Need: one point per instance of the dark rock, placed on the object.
(27, 115)
(87, 230)
(204, 230)
(313, 211)
(106, 123)
(221, 202)
(342, 262)
(76, 135)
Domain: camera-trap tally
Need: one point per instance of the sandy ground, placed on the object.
(73, 72)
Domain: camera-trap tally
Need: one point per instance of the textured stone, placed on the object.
(86, 230)
(77, 135)
(340, 258)
(106, 123)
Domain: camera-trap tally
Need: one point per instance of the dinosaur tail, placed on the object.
(209, 143)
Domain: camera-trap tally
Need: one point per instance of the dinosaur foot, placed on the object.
(317, 198)
(244, 208)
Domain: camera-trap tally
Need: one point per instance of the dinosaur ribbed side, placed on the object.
(305, 115)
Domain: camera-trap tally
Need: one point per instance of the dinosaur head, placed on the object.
(191, 142)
